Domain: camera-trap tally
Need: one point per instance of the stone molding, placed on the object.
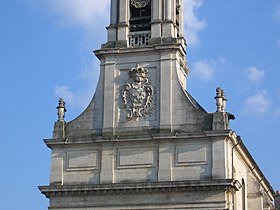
(172, 44)
(137, 188)
(89, 139)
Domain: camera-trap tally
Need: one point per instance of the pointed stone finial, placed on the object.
(61, 110)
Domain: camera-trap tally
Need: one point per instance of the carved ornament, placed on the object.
(137, 94)
(140, 3)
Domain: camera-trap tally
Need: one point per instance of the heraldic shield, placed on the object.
(137, 94)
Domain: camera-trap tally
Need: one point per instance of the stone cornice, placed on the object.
(128, 50)
(89, 139)
(128, 188)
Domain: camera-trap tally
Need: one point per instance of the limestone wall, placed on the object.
(134, 161)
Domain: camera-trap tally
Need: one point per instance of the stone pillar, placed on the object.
(173, 11)
(114, 12)
(167, 27)
(181, 20)
(156, 19)
(112, 29)
(167, 9)
(123, 23)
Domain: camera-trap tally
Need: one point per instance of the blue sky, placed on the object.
(46, 52)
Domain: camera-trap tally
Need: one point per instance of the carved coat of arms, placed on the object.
(138, 94)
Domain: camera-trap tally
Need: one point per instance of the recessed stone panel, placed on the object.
(136, 158)
(191, 154)
(82, 160)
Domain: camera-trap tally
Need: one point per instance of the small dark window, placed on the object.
(178, 8)
(177, 21)
(140, 18)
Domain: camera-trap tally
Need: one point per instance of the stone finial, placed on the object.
(221, 101)
(61, 110)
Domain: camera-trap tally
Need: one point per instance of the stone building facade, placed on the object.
(144, 142)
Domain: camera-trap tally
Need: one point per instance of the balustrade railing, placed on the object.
(139, 38)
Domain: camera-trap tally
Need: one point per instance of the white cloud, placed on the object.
(91, 16)
(257, 104)
(80, 98)
(206, 69)
(86, 13)
(203, 70)
(253, 74)
(64, 92)
(192, 24)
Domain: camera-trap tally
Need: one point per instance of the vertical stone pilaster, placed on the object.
(181, 19)
(114, 12)
(109, 97)
(112, 29)
(218, 159)
(57, 168)
(167, 9)
(156, 19)
(123, 11)
(123, 20)
(165, 91)
(157, 10)
(165, 163)
(107, 168)
(173, 11)
(167, 25)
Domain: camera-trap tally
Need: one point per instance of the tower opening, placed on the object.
(140, 15)
(178, 18)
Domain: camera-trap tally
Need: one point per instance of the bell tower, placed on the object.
(143, 34)
(144, 22)
(144, 142)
